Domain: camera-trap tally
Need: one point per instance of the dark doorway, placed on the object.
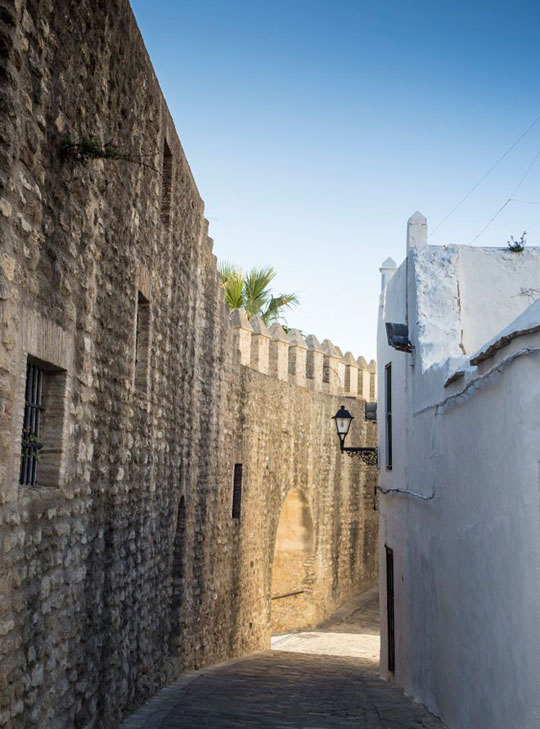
(390, 608)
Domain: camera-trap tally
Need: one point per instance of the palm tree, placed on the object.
(251, 291)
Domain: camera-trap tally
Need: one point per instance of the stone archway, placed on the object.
(293, 570)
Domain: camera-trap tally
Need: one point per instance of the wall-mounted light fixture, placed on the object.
(398, 337)
(343, 420)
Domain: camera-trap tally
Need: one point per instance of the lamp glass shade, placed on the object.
(343, 420)
(343, 425)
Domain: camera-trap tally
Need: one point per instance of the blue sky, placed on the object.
(314, 129)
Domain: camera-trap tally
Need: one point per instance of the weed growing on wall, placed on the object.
(517, 245)
(88, 148)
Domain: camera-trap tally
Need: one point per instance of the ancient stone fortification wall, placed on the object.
(123, 563)
(287, 443)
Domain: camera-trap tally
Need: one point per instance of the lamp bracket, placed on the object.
(370, 456)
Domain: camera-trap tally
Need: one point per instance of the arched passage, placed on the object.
(293, 574)
(178, 575)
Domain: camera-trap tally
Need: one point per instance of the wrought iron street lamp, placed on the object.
(343, 420)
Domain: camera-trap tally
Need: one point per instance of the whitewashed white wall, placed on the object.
(467, 561)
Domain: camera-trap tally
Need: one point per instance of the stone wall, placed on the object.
(123, 564)
(288, 446)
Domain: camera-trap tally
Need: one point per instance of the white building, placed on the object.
(459, 433)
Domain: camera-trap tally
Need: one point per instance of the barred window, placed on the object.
(44, 424)
(31, 431)
(237, 491)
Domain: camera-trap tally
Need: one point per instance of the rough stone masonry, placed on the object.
(160, 438)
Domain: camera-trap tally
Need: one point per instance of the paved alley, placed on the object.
(285, 688)
(352, 631)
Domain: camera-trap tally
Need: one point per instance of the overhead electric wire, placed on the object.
(529, 168)
(534, 224)
(486, 226)
(510, 199)
(474, 187)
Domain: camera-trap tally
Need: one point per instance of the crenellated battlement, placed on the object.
(303, 361)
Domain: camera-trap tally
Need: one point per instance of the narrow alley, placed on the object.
(321, 679)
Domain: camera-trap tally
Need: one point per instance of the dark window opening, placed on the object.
(388, 413)
(370, 411)
(237, 491)
(390, 609)
(166, 185)
(31, 430)
(142, 342)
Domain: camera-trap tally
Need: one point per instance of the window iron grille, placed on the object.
(31, 431)
(237, 491)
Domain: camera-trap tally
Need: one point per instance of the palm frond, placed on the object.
(228, 270)
(234, 292)
(232, 282)
(251, 292)
(256, 289)
(275, 306)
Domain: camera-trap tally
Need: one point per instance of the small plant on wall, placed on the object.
(516, 245)
(30, 445)
(87, 148)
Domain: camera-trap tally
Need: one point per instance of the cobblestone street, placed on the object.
(312, 689)
(351, 631)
